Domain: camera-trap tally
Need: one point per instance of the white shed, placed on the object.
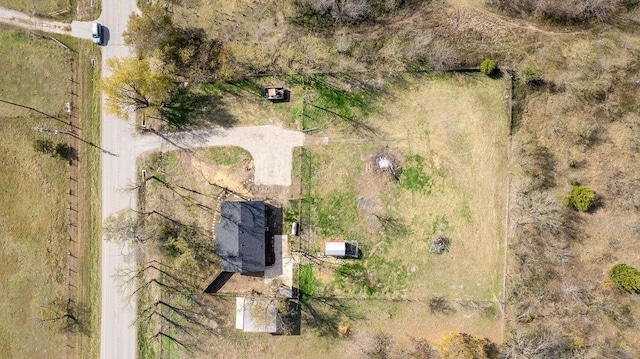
(341, 249)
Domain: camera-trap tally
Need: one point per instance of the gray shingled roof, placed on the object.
(240, 236)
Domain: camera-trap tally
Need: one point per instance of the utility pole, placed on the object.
(53, 132)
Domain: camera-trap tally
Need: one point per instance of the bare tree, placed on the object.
(174, 308)
(535, 345)
(68, 315)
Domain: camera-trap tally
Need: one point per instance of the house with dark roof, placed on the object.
(241, 237)
(243, 241)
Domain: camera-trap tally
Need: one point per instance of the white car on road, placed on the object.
(96, 33)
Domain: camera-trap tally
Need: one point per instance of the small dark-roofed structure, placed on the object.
(240, 236)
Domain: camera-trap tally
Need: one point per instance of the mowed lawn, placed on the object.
(33, 199)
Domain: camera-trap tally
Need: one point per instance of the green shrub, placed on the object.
(308, 283)
(625, 277)
(529, 75)
(44, 146)
(487, 66)
(581, 198)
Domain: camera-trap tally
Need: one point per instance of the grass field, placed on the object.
(49, 8)
(33, 210)
(452, 133)
(89, 199)
(64, 10)
(28, 64)
(34, 216)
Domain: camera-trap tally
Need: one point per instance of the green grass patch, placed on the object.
(335, 211)
(162, 160)
(308, 282)
(90, 173)
(374, 275)
(145, 346)
(354, 277)
(325, 104)
(228, 156)
(413, 176)
(316, 101)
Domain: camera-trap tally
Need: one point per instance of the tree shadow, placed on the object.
(69, 316)
(187, 107)
(439, 305)
(66, 152)
(325, 314)
(290, 320)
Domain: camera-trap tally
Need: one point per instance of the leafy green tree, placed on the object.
(134, 86)
(186, 54)
(194, 57)
(487, 66)
(44, 146)
(150, 31)
(625, 277)
(581, 198)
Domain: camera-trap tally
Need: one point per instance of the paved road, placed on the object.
(118, 339)
(270, 146)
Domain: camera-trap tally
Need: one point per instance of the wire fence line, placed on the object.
(72, 209)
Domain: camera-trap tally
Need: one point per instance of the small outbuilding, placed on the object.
(258, 315)
(343, 249)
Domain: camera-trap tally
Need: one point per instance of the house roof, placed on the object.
(240, 236)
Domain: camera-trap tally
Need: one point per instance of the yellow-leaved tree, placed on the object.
(134, 86)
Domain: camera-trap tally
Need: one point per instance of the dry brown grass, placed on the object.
(33, 235)
(581, 116)
(51, 8)
(33, 219)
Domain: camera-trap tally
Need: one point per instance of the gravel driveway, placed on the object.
(270, 146)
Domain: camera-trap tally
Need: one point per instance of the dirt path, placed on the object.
(16, 18)
(79, 29)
